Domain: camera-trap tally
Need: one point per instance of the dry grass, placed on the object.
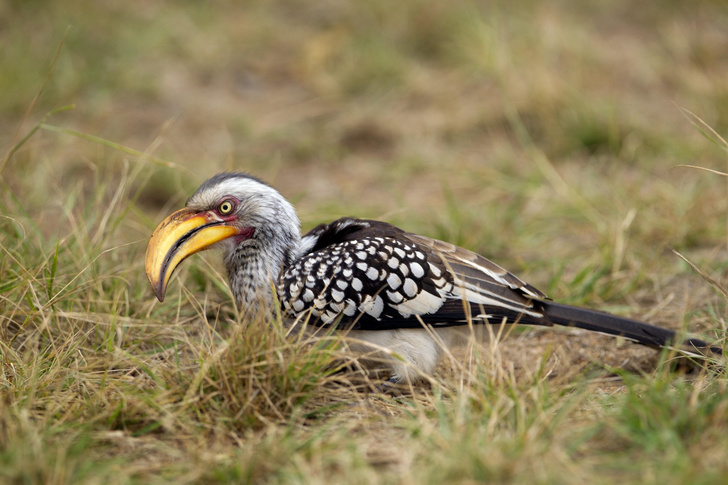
(549, 137)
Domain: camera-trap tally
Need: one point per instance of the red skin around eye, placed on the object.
(246, 232)
(227, 217)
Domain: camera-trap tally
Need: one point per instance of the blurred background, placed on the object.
(553, 137)
(547, 135)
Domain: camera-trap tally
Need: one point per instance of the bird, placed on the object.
(401, 297)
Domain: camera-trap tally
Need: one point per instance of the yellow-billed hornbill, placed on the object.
(371, 278)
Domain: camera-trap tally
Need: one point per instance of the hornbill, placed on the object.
(388, 288)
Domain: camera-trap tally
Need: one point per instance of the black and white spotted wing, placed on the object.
(371, 275)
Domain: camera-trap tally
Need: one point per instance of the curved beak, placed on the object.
(178, 236)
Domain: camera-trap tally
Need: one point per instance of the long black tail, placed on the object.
(640, 332)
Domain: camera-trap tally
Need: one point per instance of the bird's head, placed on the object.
(228, 211)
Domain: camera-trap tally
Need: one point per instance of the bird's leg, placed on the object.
(393, 385)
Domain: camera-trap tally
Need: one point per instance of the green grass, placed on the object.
(549, 137)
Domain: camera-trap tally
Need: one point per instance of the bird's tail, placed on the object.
(640, 332)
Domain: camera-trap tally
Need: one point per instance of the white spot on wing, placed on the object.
(417, 270)
(372, 306)
(394, 281)
(350, 309)
(410, 287)
(395, 297)
(372, 273)
(425, 303)
(440, 282)
(356, 284)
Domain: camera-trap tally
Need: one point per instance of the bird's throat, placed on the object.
(244, 234)
(252, 271)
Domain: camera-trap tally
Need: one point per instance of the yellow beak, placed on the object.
(178, 236)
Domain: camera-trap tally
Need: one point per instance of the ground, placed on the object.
(576, 144)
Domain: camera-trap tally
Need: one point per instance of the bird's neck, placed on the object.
(253, 268)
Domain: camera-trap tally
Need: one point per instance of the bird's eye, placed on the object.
(225, 207)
